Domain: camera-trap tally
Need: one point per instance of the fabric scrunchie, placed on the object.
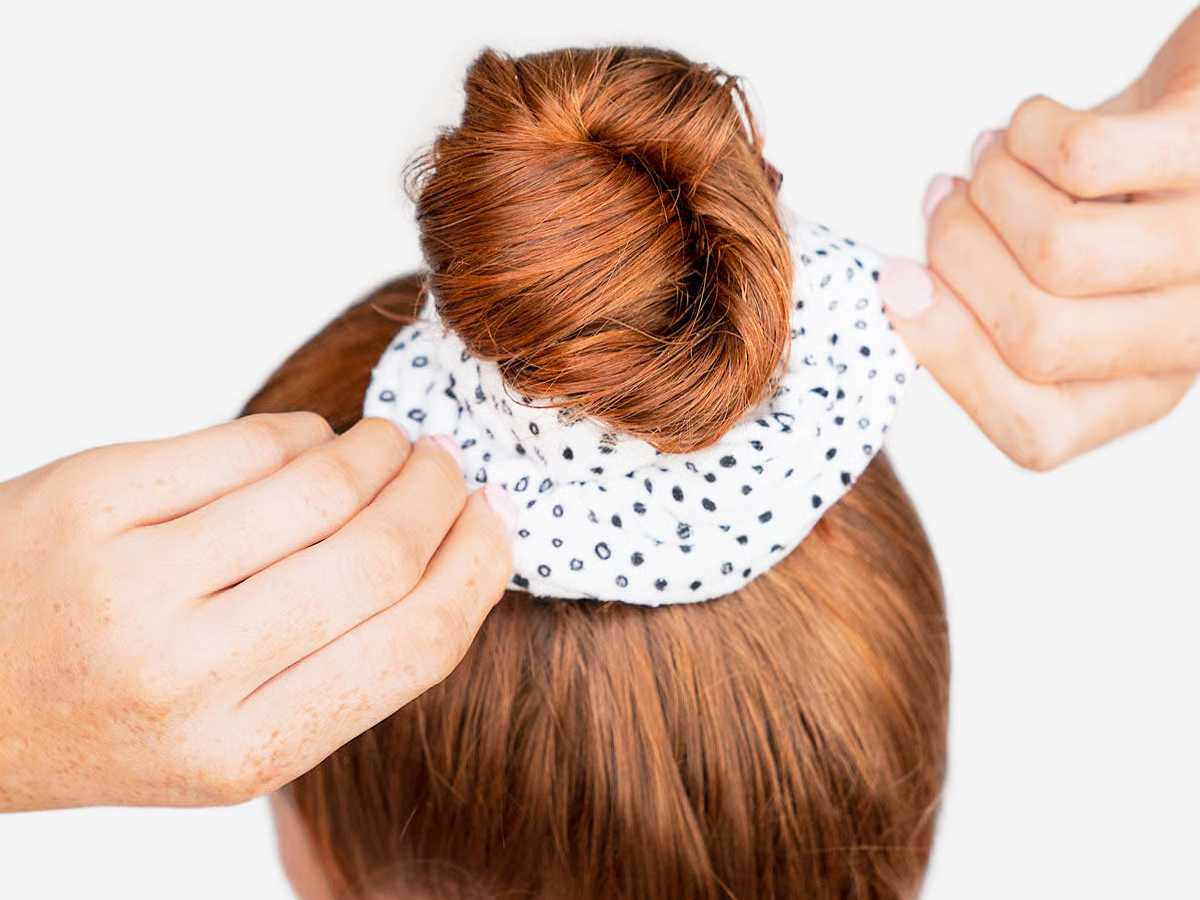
(606, 516)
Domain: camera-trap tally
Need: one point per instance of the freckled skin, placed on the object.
(134, 642)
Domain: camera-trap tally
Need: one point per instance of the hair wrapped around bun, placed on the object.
(602, 226)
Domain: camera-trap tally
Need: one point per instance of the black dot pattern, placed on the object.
(606, 516)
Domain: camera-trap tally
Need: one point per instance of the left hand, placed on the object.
(1062, 308)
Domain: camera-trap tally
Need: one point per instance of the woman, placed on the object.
(603, 235)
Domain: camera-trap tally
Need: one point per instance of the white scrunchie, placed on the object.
(606, 516)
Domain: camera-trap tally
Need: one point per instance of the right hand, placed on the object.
(199, 620)
(1062, 305)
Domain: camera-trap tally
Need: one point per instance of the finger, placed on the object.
(1037, 426)
(287, 611)
(130, 485)
(1046, 338)
(310, 498)
(1082, 248)
(1129, 100)
(302, 715)
(1092, 155)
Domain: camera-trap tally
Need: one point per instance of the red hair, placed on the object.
(601, 225)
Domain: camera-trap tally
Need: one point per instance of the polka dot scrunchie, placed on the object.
(606, 516)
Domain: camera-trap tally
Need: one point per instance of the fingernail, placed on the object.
(905, 288)
(939, 189)
(497, 498)
(448, 444)
(985, 140)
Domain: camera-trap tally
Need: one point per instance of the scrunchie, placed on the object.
(605, 516)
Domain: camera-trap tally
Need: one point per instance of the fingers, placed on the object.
(310, 498)
(1047, 338)
(1062, 308)
(1091, 155)
(1072, 248)
(129, 485)
(297, 718)
(303, 602)
(1037, 426)
(1129, 100)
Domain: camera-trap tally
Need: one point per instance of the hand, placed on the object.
(199, 620)
(1063, 308)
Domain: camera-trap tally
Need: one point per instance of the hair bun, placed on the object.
(601, 226)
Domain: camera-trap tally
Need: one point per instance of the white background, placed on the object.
(188, 193)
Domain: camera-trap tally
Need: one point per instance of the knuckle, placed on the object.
(1034, 444)
(221, 778)
(388, 434)
(78, 470)
(391, 558)
(1027, 108)
(264, 442)
(265, 767)
(447, 636)
(1074, 162)
(313, 424)
(1036, 457)
(1022, 129)
(988, 178)
(1079, 154)
(149, 698)
(1030, 339)
(79, 491)
(331, 485)
(238, 767)
(1060, 259)
(1042, 361)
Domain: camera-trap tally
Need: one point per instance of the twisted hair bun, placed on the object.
(602, 226)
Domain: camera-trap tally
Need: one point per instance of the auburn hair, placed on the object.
(603, 226)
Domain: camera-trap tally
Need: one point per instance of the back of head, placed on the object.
(602, 226)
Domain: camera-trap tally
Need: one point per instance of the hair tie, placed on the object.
(606, 516)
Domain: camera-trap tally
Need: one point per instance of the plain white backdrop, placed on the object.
(188, 191)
